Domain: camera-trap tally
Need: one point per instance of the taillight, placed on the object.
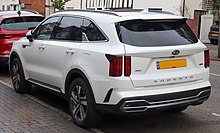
(207, 58)
(127, 66)
(115, 65)
(5, 36)
(1, 35)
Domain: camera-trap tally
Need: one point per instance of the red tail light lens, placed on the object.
(127, 66)
(207, 58)
(115, 65)
(5, 36)
(1, 35)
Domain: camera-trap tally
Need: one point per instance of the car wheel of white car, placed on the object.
(82, 104)
(18, 80)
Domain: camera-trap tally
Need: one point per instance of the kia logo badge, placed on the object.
(175, 52)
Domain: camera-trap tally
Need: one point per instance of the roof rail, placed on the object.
(93, 11)
(126, 10)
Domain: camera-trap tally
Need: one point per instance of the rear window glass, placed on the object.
(20, 23)
(144, 33)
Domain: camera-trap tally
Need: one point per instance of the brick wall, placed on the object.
(37, 5)
(194, 25)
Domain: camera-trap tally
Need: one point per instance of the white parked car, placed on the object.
(113, 62)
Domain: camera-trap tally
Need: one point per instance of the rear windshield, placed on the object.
(20, 23)
(144, 33)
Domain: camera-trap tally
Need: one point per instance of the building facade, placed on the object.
(186, 8)
(42, 6)
(37, 5)
(207, 4)
(9, 5)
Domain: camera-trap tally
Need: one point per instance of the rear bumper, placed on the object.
(162, 101)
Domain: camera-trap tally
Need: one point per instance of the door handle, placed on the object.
(70, 51)
(42, 47)
(25, 45)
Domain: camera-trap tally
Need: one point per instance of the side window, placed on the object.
(70, 28)
(91, 32)
(44, 31)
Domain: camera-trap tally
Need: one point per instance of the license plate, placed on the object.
(214, 34)
(168, 64)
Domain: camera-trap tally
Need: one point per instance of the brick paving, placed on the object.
(20, 114)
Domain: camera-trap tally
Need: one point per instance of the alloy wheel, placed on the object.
(78, 103)
(16, 78)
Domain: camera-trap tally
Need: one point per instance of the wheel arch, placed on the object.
(73, 74)
(13, 55)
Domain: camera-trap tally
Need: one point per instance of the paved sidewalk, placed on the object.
(213, 49)
(20, 114)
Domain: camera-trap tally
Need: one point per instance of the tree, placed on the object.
(216, 7)
(59, 4)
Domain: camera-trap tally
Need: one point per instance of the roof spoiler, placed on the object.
(156, 10)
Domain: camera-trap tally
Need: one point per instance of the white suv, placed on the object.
(114, 62)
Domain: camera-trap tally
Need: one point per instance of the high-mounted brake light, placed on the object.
(115, 65)
(207, 58)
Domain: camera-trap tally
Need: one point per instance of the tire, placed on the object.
(81, 104)
(177, 109)
(18, 80)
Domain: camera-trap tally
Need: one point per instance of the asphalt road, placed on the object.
(195, 119)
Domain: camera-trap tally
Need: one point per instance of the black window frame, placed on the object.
(100, 30)
(56, 28)
(52, 33)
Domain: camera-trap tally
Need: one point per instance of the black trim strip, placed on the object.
(108, 95)
(42, 84)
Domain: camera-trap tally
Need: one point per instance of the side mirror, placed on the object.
(29, 36)
(31, 28)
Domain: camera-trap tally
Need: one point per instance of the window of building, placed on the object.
(3, 7)
(15, 7)
(8, 7)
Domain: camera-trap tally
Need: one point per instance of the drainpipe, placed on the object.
(184, 4)
(19, 5)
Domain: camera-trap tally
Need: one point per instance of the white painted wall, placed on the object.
(48, 9)
(74, 4)
(10, 4)
(206, 23)
(192, 5)
(173, 6)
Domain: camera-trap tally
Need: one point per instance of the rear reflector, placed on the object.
(115, 65)
(127, 66)
(207, 58)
